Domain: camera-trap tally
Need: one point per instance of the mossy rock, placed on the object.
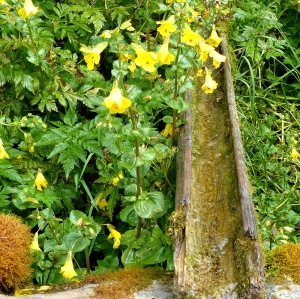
(283, 263)
(15, 261)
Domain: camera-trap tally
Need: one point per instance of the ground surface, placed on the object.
(160, 291)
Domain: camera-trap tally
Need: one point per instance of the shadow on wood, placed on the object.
(217, 251)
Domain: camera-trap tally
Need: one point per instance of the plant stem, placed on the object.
(87, 260)
(54, 235)
(138, 171)
(149, 49)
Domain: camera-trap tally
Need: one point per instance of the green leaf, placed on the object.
(129, 215)
(156, 232)
(180, 104)
(70, 118)
(7, 171)
(76, 242)
(128, 237)
(150, 206)
(76, 216)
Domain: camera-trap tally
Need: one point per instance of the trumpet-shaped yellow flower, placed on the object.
(167, 131)
(214, 40)
(116, 102)
(163, 54)
(190, 37)
(35, 242)
(294, 154)
(210, 84)
(114, 234)
(205, 49)
(166, 27)
(145, 59)
(67, 270)
(40, 181)
(101, 202)
(28, 10)
(93, 55)
(217, 58)
(117, 179)
(3, 153)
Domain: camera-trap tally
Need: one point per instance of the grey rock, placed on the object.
(159, 291)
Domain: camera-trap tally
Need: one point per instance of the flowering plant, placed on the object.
(90, 99)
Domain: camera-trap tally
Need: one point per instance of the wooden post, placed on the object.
(217, 252)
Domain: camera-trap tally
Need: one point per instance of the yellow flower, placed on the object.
(117, 179)
(116, 102)
(163, 54)
(167, 131)
(31, 149)
(294, 154)
(67, 270)
(5, 10)
(125, 56)
(209, 85)
(205, 49)
(199, 73)
(145, 59)
(40, 181)
(35, 242)
(214, 40)
(190, 37)
(115, 235)
(28, 10)
(106, 34)
(93, 56)
(132, 66)
(166, 26)
(3, 153)
(101, 202)
(180, 1)
(192, 15)
(217, 58)
(294, 140)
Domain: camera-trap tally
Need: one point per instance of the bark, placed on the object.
(217, 252)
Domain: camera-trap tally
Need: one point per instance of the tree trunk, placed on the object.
(217, 251)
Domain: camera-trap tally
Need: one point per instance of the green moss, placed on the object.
(283, 263)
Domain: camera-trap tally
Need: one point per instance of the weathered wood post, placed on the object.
(217, 251)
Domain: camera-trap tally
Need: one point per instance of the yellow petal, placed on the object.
(35, 242)
(40, 181)
(214, 40)
(67, 269)
(116, 102)
(115, 235)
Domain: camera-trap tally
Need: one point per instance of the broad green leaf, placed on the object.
(150, 206)
(129, 215)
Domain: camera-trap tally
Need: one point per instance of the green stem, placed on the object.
(87, 260)
(149, 49)
(138, 171)
(54, 235)
(30, 34)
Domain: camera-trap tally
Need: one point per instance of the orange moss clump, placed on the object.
(283, 263)
(15, 261)
(123, 283)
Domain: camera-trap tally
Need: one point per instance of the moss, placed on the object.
(283, 263)
(123, 283)
(14, 253)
